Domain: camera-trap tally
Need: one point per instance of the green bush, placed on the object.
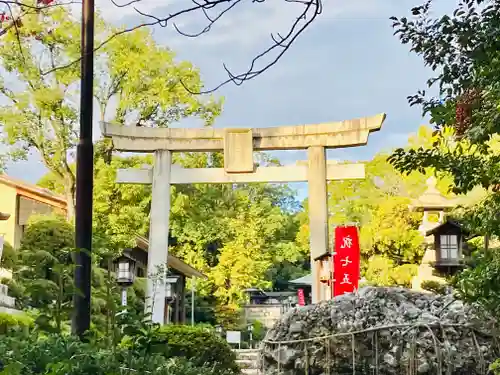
(495, 367)
(480, 284)
(66, 355)
(199, 345)
(434, 286)
(259, 331)
(383, 271)
(14, 323)
(9, 257)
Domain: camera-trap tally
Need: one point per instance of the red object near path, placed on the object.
(346, 260)
(301, 298)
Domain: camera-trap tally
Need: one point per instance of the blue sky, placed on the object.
(347, 65)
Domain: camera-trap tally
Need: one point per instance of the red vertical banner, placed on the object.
(301, 297)
(346, 260)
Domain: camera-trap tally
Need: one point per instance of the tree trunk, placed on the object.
(66, 176)
(69, 192)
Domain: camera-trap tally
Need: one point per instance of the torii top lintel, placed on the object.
(347, 133)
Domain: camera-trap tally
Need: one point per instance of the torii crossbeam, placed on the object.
(238, 146)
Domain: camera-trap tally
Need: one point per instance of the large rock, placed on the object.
(393, 330)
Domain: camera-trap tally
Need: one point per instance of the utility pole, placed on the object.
(84, 178)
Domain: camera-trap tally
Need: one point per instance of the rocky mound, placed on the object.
(384, 331)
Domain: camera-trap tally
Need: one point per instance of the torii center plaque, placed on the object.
(238, 146)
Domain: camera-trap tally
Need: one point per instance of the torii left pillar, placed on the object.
(158, 235)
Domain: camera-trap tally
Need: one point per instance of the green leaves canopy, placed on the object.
(149, 83)
(236, 235)
(463, 50)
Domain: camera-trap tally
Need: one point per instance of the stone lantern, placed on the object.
(125, 272)
(433, 202)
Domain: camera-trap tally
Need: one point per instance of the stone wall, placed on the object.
(7, 303)
(384, 331)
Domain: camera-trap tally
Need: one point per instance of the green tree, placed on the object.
(379, 205)
(120, 211)
(44, 270)
(390, 243)
(40, 111)
(9, 257)
(480, 282)
(236, 235)
(463, 50)
(145, 78)
(43, 277)
(383, 271)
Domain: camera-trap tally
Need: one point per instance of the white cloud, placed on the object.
(113, 13)
(248, 23)
(245, 31)
(253, 23)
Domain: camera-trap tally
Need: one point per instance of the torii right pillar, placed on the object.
(318, 206)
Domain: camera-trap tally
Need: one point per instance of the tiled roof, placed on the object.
(304, 280)
(172, 261)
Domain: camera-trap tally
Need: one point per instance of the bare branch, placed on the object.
(39, 7)
(313, 7)
(280, 43)
(212, 21)
(279, 46)
(125, 4)
(15, 24)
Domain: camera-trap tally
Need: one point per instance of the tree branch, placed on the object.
(279, 43)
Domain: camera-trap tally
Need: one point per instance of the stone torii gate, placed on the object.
(238, 146)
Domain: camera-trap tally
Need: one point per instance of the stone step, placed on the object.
(246, 350)
(252, 357)
(250, 354)
(246, 363)
(250, 371)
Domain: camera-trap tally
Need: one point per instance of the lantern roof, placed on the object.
(126, 254)
(432, 199)
(448, 223)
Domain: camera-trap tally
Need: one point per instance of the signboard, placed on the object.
(346, 260)
(233, 337)
(238, 151)
(301, 297)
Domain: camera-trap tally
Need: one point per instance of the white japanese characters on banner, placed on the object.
(346, 260)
